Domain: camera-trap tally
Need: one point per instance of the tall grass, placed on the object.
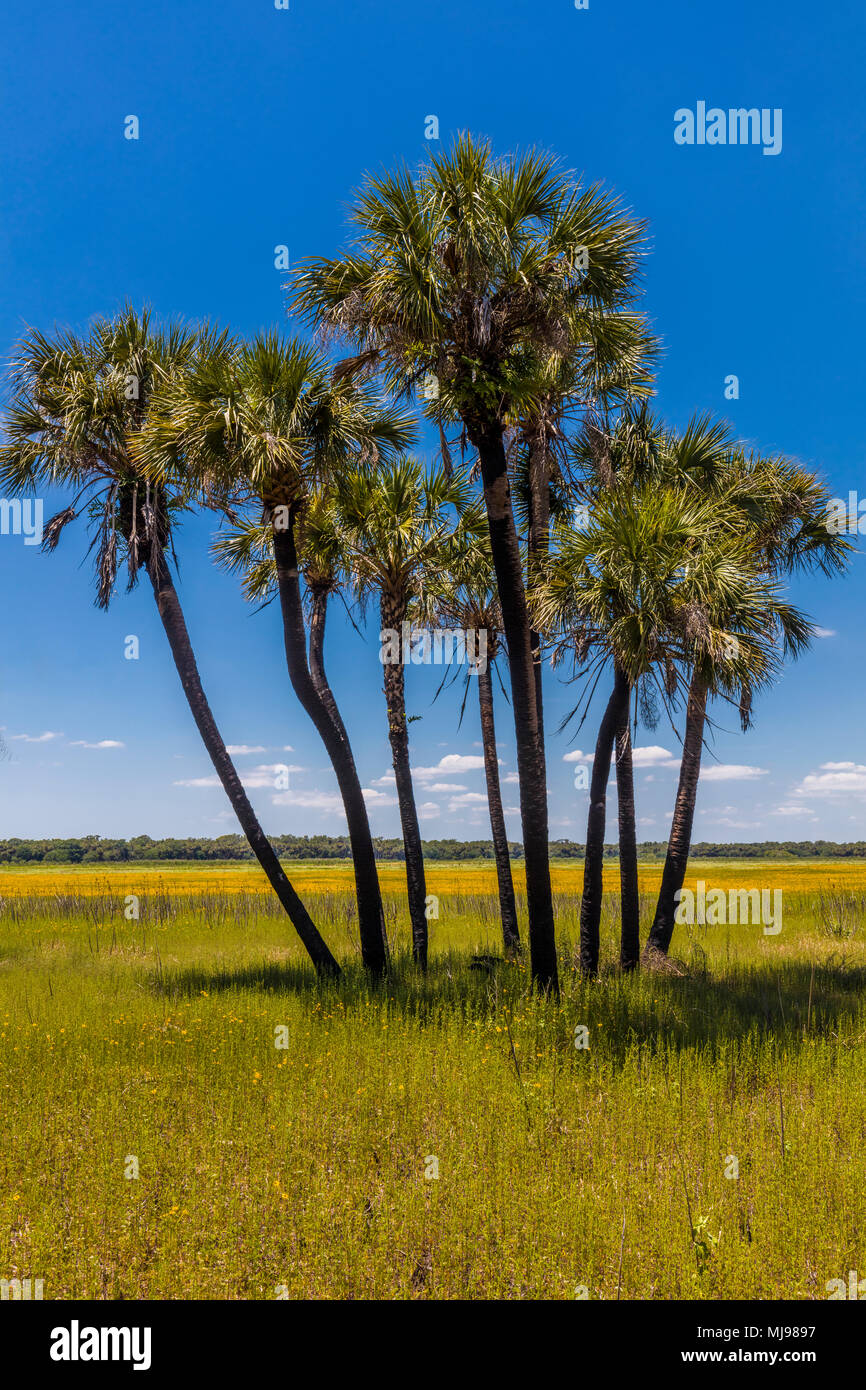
(308, 1170)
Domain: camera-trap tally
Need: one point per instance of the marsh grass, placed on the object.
(304, 1167)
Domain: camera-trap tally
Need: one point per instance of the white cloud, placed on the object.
(452, 762)
(646, 820)
(389, 780)
(512, 778)
(467, 799)
(824, 632)
(653, 756)
(237, 749)
(34, 738)
(834, 779)
(373, 797)
(792, 811)
(428, 810)
(264, 775)
(103, 743)
(732, 772)
(311, 801)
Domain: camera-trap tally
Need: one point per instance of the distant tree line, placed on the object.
(93, 849)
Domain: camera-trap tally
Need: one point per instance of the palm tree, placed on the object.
(325, 569)
(653, 566)
(473, 271)
(611, 369)
(781, 510)
(780, 503)
(396, 523)
(246, 549)
(263, 424)
(463, 595)
(78, 403)
(716, 672)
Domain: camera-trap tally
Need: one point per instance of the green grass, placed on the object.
(305, 1167)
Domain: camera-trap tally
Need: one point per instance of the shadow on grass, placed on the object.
(697, 1010)
(783, 1003)
(450, 981)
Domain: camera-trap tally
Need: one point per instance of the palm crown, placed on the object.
(474, 270)
(265, 420)
(79, 403)
(397, 521)
(658, 578)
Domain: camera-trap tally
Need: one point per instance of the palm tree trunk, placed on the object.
(318, 617)
(507, 904)
(371, 918)
(505, 548)
(679, 844)
(538, 541)
(593, 877)
(393, 612)
(175, 627)
(629, 951)
(367, 886)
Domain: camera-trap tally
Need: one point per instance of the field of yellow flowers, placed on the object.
(187, 1113)
(316, 876)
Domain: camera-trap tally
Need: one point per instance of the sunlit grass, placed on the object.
(304, 1167)
(322, 876)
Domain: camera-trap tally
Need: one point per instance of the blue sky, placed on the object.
(255, 126)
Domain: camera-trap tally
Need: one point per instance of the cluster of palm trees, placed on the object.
(497, 296)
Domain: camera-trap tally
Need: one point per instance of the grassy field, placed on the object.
(149, 1044)
(318, 876)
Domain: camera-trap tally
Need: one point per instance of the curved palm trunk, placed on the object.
(371, 918)
(679, 844)
(507, 904)
(318, 618)
(175, 627)
(629, 950)
(367, 885)
(393, 612)
(505, 548)
(593, 881)
(538, 542)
